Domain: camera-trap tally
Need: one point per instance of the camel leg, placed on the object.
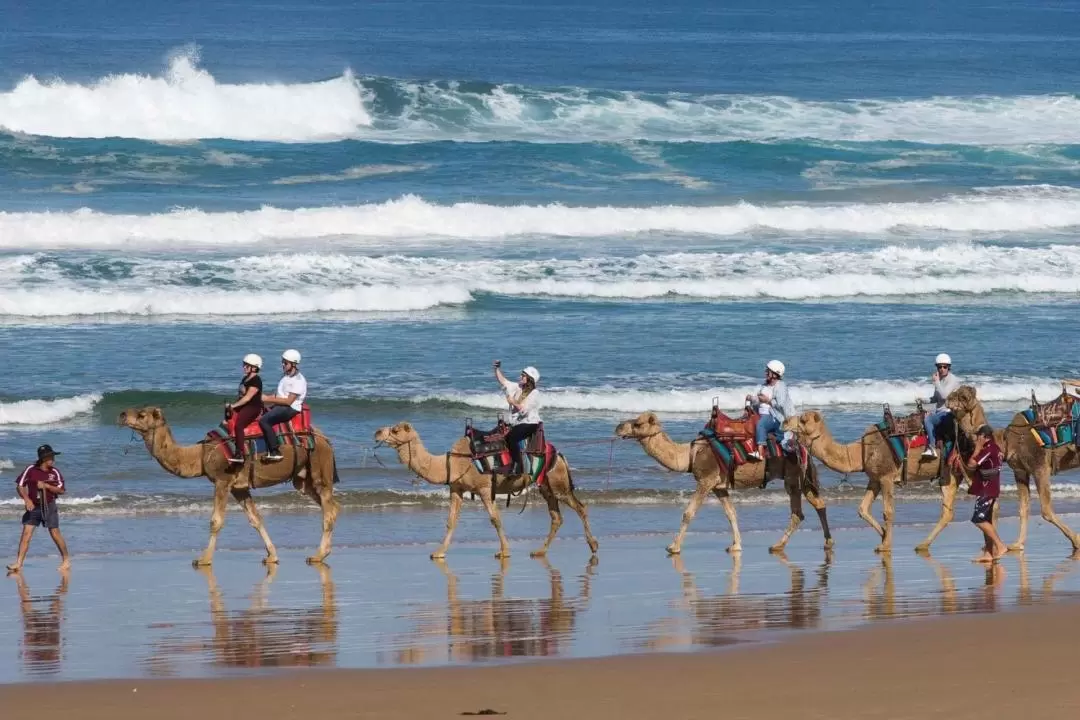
(217, 521)
(729, 510)
(556, 520)
(1046, 508)
(866, 504)
(1023, 491)
(243, 497)
(795, 498)
(330, 508)
(688, 515)
(888, 512)
(496, 521)
(948, 496)
(823, 516)
(451, 523)
(579, 507)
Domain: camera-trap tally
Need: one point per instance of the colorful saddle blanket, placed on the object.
(490, 452)
(902, 444)
(297, 432)
(732, 440)
(1055, 423)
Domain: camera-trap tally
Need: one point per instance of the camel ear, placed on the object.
(157, 414)
(651, 419)
(814, 415)
(406, 426)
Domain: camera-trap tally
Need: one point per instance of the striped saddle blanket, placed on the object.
(489, 451)
(1056, 423)
(296, 432)
(732, 451)
(901, 445)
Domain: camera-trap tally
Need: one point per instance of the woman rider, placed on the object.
(773, 404)
(524, 401)
(248, 405)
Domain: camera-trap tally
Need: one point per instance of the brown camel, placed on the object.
(456, 470)
(871, 454)
(696, 458)
(312, 473)
(1026, 458)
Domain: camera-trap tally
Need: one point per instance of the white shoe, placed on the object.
(929, 452)
(754, 455)
(236, 461)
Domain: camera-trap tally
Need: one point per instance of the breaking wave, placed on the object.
(46, 412)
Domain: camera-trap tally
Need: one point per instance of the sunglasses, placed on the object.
(943, 367)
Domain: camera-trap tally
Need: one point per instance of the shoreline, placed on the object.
(876, 670)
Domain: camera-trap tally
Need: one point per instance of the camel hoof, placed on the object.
(673, 550)
(199, 562)
(270, 560)
(438, 555)
(883, 549)
(594, 546)
(502, 555)
(774, 550)
(537, 553)
(315, 560)
(1016, 547)
(830, 544)
(732, 549)
(922, 549)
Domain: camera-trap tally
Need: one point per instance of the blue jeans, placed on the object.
(766, 424)
(274, 416)
(931, 422)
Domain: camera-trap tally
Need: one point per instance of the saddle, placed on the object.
(905, 425)
(1053, 414)
(489, 450)
(299, 425)
(729, 429)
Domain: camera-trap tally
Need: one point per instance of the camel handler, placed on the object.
(945, 384)
(38, 485)
(986, 460)
(285, 405)
(524, 401)
(773, 405)
(248, 406)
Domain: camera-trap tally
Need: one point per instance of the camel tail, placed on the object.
(336, 478)
(569, 475)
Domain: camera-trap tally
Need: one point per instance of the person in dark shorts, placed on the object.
(38, 485)
(248, 405)
(986, 461)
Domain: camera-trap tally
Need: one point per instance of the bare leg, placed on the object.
(24, 546)
(688, 515)
(556, 520)
(1046, 507)
(948, 497)
(729, 510)
(579, 507)
(217, 521)
(451, 523)
(994, 548)
(867, 503)
(243, 497)
(496, 521)
(795, 500)
(61, 546)
(1023, 491)
(823, 516)
(329, 506)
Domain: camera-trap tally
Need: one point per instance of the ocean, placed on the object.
(645, 202)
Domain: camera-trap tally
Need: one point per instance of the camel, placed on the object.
(1026, 458)
(456, 470)
(871, 454)
(697, 459)
(312, 473)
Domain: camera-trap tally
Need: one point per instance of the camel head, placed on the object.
(142, 420)
(401, 434)
(643, 426)
(964, 405)
(807, 427)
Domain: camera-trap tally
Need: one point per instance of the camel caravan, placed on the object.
(269, 439)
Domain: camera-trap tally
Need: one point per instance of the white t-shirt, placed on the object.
(530, 409)
(764, 408)
(293, 384)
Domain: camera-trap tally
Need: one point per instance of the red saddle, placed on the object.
(734, 429)
(300, 423)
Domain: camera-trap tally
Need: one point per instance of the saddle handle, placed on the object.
(468, 425)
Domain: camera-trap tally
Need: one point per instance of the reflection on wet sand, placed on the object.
(258, 637)
(465, 631)
(713, 621)
(42, 617)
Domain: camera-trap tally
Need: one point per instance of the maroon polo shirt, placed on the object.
(32, 475)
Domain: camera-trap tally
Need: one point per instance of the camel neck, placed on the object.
(176, 459)
(839, 458)
(429, 467)
(670, 454)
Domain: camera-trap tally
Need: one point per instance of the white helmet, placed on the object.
(253, 360)
(532, 373)
(943, 359)
(776, 366)
(292, 356)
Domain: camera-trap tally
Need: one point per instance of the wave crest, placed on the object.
(46, 412)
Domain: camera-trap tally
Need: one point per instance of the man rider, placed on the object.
(286, 404)
(945, 384)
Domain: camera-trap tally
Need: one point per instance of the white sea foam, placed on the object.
(46, 412)
(1014, 210)
(857, 392)
(185, 103)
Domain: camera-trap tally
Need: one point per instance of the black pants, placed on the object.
(517, 434)
(274, 416)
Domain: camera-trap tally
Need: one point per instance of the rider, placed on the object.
(287, 403)
(524, 401)
(773, 404)
(945, 383)
(248, 405)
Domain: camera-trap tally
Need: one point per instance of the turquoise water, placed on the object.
(646, 204)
